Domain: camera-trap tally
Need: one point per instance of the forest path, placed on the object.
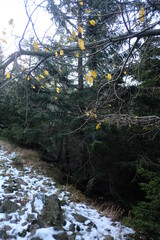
(24, 179)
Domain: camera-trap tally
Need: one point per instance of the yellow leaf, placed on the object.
(35, 46)
(33, 87)
(56, 54)
(125, 72)
(89, 79)
(37, 78)
(8, 75)
(93, 73)
(141, 14)
(46, 72)
(95, 115)
(73, 34)
(81, 44)
(80, 30)
(92, 22)
(88, 11)
(57, 89)
(98, 126)
(71, 39)
(81, 3)
(99, 16)
(87, 114)
(55, 98)
(61, 52)
(11, 21)
(114, 65)
(109, 76)
(136, 118)
(28, 78)
(3, 40)
(106, 120)
(42, 86)
(47, 85)
(77, 54)
(41, 76)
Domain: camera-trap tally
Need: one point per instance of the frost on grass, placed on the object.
(23, 186)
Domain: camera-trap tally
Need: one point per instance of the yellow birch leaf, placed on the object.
(136, 118)
(125, 72)
(89, 79)
(92, 22)
(81, 44)
(46, 72)
(28, 78)
(37, 78)
(114, 65)
(141, 14)
(109, 77)
(73, 34)
(95, 115)
(93, 73)
(41, 76)
(33, 87)
(88, 11)
(77, 54)
(61, 52)
(42, 86)
(99, 16)
(3, 40)
(87, 114)
(35, 46)
(80, 30)
(98, 126)
(71, 39)
(8, 75)
(81, 3)
(57, 89)
(106, 120)
(56, 54)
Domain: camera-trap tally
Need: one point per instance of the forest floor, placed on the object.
(23, 175)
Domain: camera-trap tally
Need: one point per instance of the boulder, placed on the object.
(49, 211)
(8, 206)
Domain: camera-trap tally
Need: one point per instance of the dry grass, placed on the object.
(32, 159)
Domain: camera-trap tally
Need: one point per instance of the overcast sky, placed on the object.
(14, 9)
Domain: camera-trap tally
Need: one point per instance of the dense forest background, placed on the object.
(88, 99)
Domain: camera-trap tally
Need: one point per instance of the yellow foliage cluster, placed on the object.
(81, 44)
(90, 76)
(141, 14)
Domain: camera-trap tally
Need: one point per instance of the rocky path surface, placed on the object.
(32, 207)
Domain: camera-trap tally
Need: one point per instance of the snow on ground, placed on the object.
(32, 183)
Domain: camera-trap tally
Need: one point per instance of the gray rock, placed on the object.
(61, 236)
(3, 234)
(79, 218)
(51, 213)
(108, 237)
(8, 207)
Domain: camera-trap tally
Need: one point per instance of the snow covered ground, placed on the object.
(15, 224)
